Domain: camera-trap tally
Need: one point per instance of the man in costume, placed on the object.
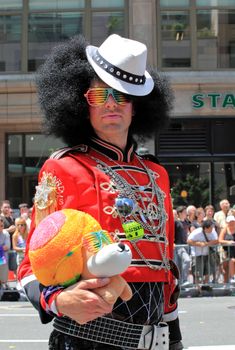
(101, 101)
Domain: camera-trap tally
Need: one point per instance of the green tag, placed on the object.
(133, 230)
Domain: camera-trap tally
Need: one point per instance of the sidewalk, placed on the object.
(12, 293)
(191, 291)
(208, 290)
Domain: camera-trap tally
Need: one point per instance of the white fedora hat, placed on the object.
(121, 64)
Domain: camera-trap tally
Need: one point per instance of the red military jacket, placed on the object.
(73, 178)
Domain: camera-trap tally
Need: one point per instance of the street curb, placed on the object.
(207, 290)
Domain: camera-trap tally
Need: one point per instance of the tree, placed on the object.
(191, 190)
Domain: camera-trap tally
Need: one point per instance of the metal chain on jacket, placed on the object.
(125, 189)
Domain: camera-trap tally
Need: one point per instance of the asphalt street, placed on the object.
(207, 323)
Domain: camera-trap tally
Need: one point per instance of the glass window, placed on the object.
(175, 41)
(10, 38)
(55, 4)
(174, 3)
(224, 181)
(190, 183)
(46, 30)
(15, 154)
(37, 149)
(215, 3)
(25, 156)
(215, 39)
(15, 169)
(107, 3)
(106, 23)
(10, 5)
(52, 22)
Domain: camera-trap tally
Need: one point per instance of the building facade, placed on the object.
(190, 41)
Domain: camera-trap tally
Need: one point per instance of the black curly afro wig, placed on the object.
(64, 78)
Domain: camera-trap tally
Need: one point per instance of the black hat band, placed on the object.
(117, 72)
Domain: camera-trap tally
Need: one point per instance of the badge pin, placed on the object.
(125, 206)
(133, 230)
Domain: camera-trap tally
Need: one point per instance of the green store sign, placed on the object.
(213, 100)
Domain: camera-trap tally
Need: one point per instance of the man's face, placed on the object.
(191, 211)
(209, 229)
(225, 205)
(183, 215)
(110, 119)
(24, 210)
(209, 212)
(231, 226)
(5, 209)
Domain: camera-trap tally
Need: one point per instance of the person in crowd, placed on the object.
(227, 239)
(12, 213)
(25, 213)
(8, 220)
(19, 239)
(175, 215)
(4, 247)
(220, 216)
(209, 215)
(30, 213)
(181, 251)
(201, 239)
(191, 213)
(199, 217)
(232, 210)
(97, 99)
(9, 226)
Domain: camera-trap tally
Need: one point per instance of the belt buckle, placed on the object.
(154, 337)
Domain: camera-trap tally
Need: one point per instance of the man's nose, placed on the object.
(111, 102)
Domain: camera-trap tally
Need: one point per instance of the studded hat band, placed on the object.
(117, 72)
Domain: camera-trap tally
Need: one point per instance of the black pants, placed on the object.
(60, 341)
(141, 309)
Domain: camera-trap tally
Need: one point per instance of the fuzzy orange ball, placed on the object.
(55, 246)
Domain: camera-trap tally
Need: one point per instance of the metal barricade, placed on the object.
(212, 273)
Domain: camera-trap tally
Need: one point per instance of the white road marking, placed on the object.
(23, 341)
(19, 315)
(212, 347)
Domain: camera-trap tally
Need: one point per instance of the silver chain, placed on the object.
(126, 190)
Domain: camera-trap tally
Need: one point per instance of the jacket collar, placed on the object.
(113, 151)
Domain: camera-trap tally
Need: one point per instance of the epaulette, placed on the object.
(150, 157)
(65, 150)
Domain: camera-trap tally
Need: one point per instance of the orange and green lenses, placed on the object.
(98, 96)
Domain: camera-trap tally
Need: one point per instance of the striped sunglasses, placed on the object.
(98, 96)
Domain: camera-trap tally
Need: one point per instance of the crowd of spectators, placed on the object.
(13, 235)
(205, 244)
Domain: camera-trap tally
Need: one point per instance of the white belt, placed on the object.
(117, 333)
